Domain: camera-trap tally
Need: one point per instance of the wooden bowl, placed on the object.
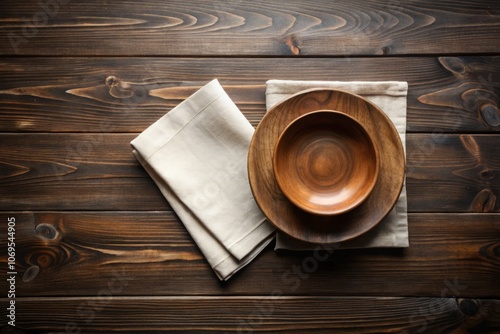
(325, 162)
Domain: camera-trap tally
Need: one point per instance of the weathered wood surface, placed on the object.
(445, 173)
(258, 314)
(97, 245)
(260, 27)
(446, 94)
(449, 173)
(80, 253)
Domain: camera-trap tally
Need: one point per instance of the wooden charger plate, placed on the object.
(336, 228)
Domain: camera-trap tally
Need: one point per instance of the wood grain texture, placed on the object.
(445, 173)
(151, 253)
(260, 27)
(98, 249)
(337, 154)
(255, 314)
(93, 171)
(446, 94)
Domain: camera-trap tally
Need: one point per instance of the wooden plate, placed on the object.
(326, 229)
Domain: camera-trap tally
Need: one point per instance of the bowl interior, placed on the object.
(325, 162)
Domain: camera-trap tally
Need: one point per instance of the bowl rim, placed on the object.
(325, 212)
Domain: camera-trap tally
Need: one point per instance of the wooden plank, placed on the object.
(445, 173)
(260, 27)
(449, 172)
(256, 314)
(150, 253)
(446, 94)
(89, 172)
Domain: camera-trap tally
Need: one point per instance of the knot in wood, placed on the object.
(485, 201)
(46, 232)
(487, 174)
(469, 307)
(111, 81)
(490, 114)
(31, 273)
(120, 89)
(453, 64)
(292, 44)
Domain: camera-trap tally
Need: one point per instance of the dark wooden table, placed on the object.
(97, 247)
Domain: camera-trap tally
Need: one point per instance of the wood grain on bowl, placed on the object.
(325, 162)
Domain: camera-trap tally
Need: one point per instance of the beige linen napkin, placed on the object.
(390, 96)
(197, 156)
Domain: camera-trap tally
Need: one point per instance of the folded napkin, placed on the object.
(390, 96)
(197, 156)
